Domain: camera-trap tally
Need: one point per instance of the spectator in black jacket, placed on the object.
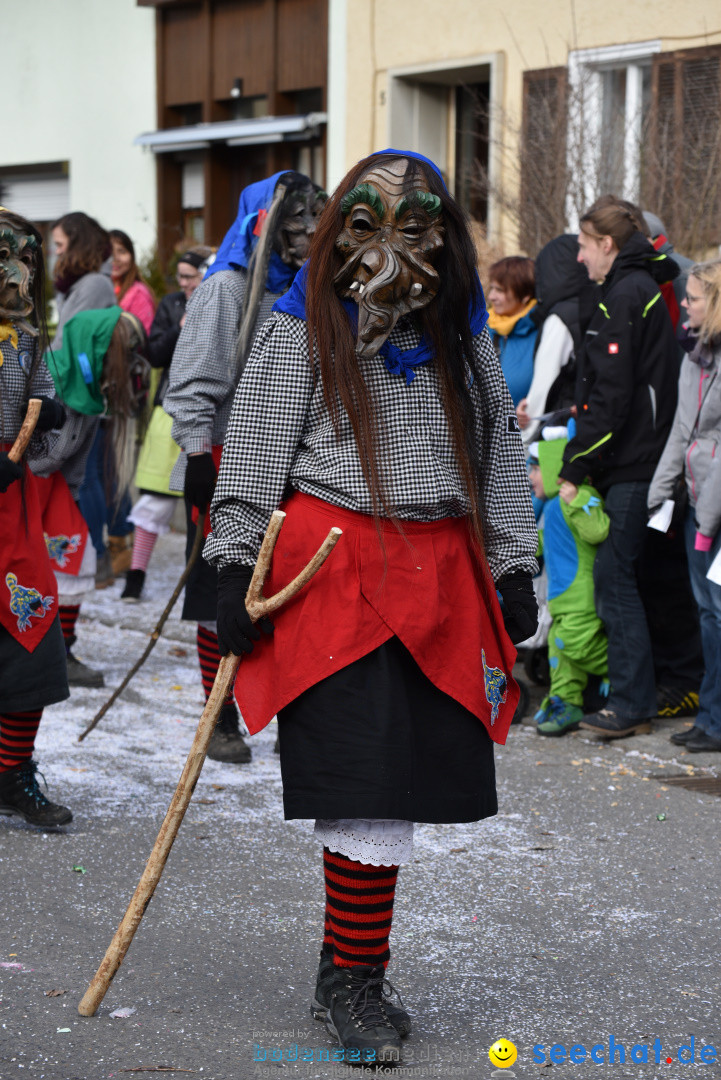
(625, 397)
(153, 511)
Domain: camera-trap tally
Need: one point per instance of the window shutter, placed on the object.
(681, 178)
(543, 157)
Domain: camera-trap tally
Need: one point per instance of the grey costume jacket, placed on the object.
(202, 374)
(693, 447)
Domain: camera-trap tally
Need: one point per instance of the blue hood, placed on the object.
(241, 238)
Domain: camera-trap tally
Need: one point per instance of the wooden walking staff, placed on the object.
(27, 428)
(257, 606)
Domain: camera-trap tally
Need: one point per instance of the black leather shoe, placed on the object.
(680, 738)
(703, 743)
(20, 796)
(324, 985)
(227, 744)
(357, 1017)
(609, 725)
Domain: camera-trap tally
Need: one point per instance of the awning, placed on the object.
(255, 132)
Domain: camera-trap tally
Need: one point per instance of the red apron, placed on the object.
(431, 593)
(28, 592)
(64, 527)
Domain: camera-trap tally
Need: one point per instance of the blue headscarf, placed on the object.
(397, 361)
(240, 239)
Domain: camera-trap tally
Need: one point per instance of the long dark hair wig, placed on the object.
(444, 322)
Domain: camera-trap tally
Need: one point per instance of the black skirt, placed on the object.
(33, 680)
(378, 740)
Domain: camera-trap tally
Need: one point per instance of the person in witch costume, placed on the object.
(373, 400)
(32, 653)
(255, 265)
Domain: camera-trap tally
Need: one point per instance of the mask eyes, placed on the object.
(361, 222)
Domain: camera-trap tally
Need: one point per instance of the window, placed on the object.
(631, 120)
(681, 164)
(609, 98)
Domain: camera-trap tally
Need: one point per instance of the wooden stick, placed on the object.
(194, 553)
(28, 427)
(257, 607)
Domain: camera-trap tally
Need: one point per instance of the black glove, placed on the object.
(236, 632)
(520, 610)
(200, 477)
(52, 415)
(9, 471)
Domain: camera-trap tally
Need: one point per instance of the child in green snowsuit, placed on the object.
(574, 523)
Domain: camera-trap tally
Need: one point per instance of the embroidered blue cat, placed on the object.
(59, 547)
(26, 603)
(496, 686)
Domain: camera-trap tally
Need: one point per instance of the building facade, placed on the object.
(74, 111)
(532, 109)
(241, 94)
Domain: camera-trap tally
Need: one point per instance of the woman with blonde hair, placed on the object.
(691, 452)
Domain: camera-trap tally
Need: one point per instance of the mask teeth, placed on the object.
(354, 285)
(416, 289)
(361, 289)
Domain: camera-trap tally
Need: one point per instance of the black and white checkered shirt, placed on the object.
(49, 451)
(202, 374)
(280, 436)
(14, 376)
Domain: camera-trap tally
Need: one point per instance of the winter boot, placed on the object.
(20, 795)
(324, 983)
(134, 582)
(358, 1017)
(104, 573)
(556, 717)
(227, 743)
(79, 674)
(121, 552)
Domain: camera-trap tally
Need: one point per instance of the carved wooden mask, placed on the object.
(18, 256)
(299, 213)
(392, 234)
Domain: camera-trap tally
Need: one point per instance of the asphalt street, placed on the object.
(587, 911)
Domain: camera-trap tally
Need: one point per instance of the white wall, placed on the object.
(90, 90)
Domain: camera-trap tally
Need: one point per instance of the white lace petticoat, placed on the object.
(378, 841)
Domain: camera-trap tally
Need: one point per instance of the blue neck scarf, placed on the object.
(397, 361)
(240, 239)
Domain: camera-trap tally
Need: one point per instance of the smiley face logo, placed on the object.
(502, 1054)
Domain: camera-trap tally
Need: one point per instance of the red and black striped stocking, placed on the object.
(209, 657)
(359, 909)
(68, 617)
(17, 737)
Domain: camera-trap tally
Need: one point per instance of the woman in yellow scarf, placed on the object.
(513, 331)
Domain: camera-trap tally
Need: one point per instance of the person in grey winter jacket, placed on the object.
(692, 452)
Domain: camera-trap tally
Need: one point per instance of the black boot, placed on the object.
(227, 744)
(358, 1017)
(79, 674)
(20, 795)
(134, 581)
(324, 983)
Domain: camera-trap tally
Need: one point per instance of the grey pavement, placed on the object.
(589, 909)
